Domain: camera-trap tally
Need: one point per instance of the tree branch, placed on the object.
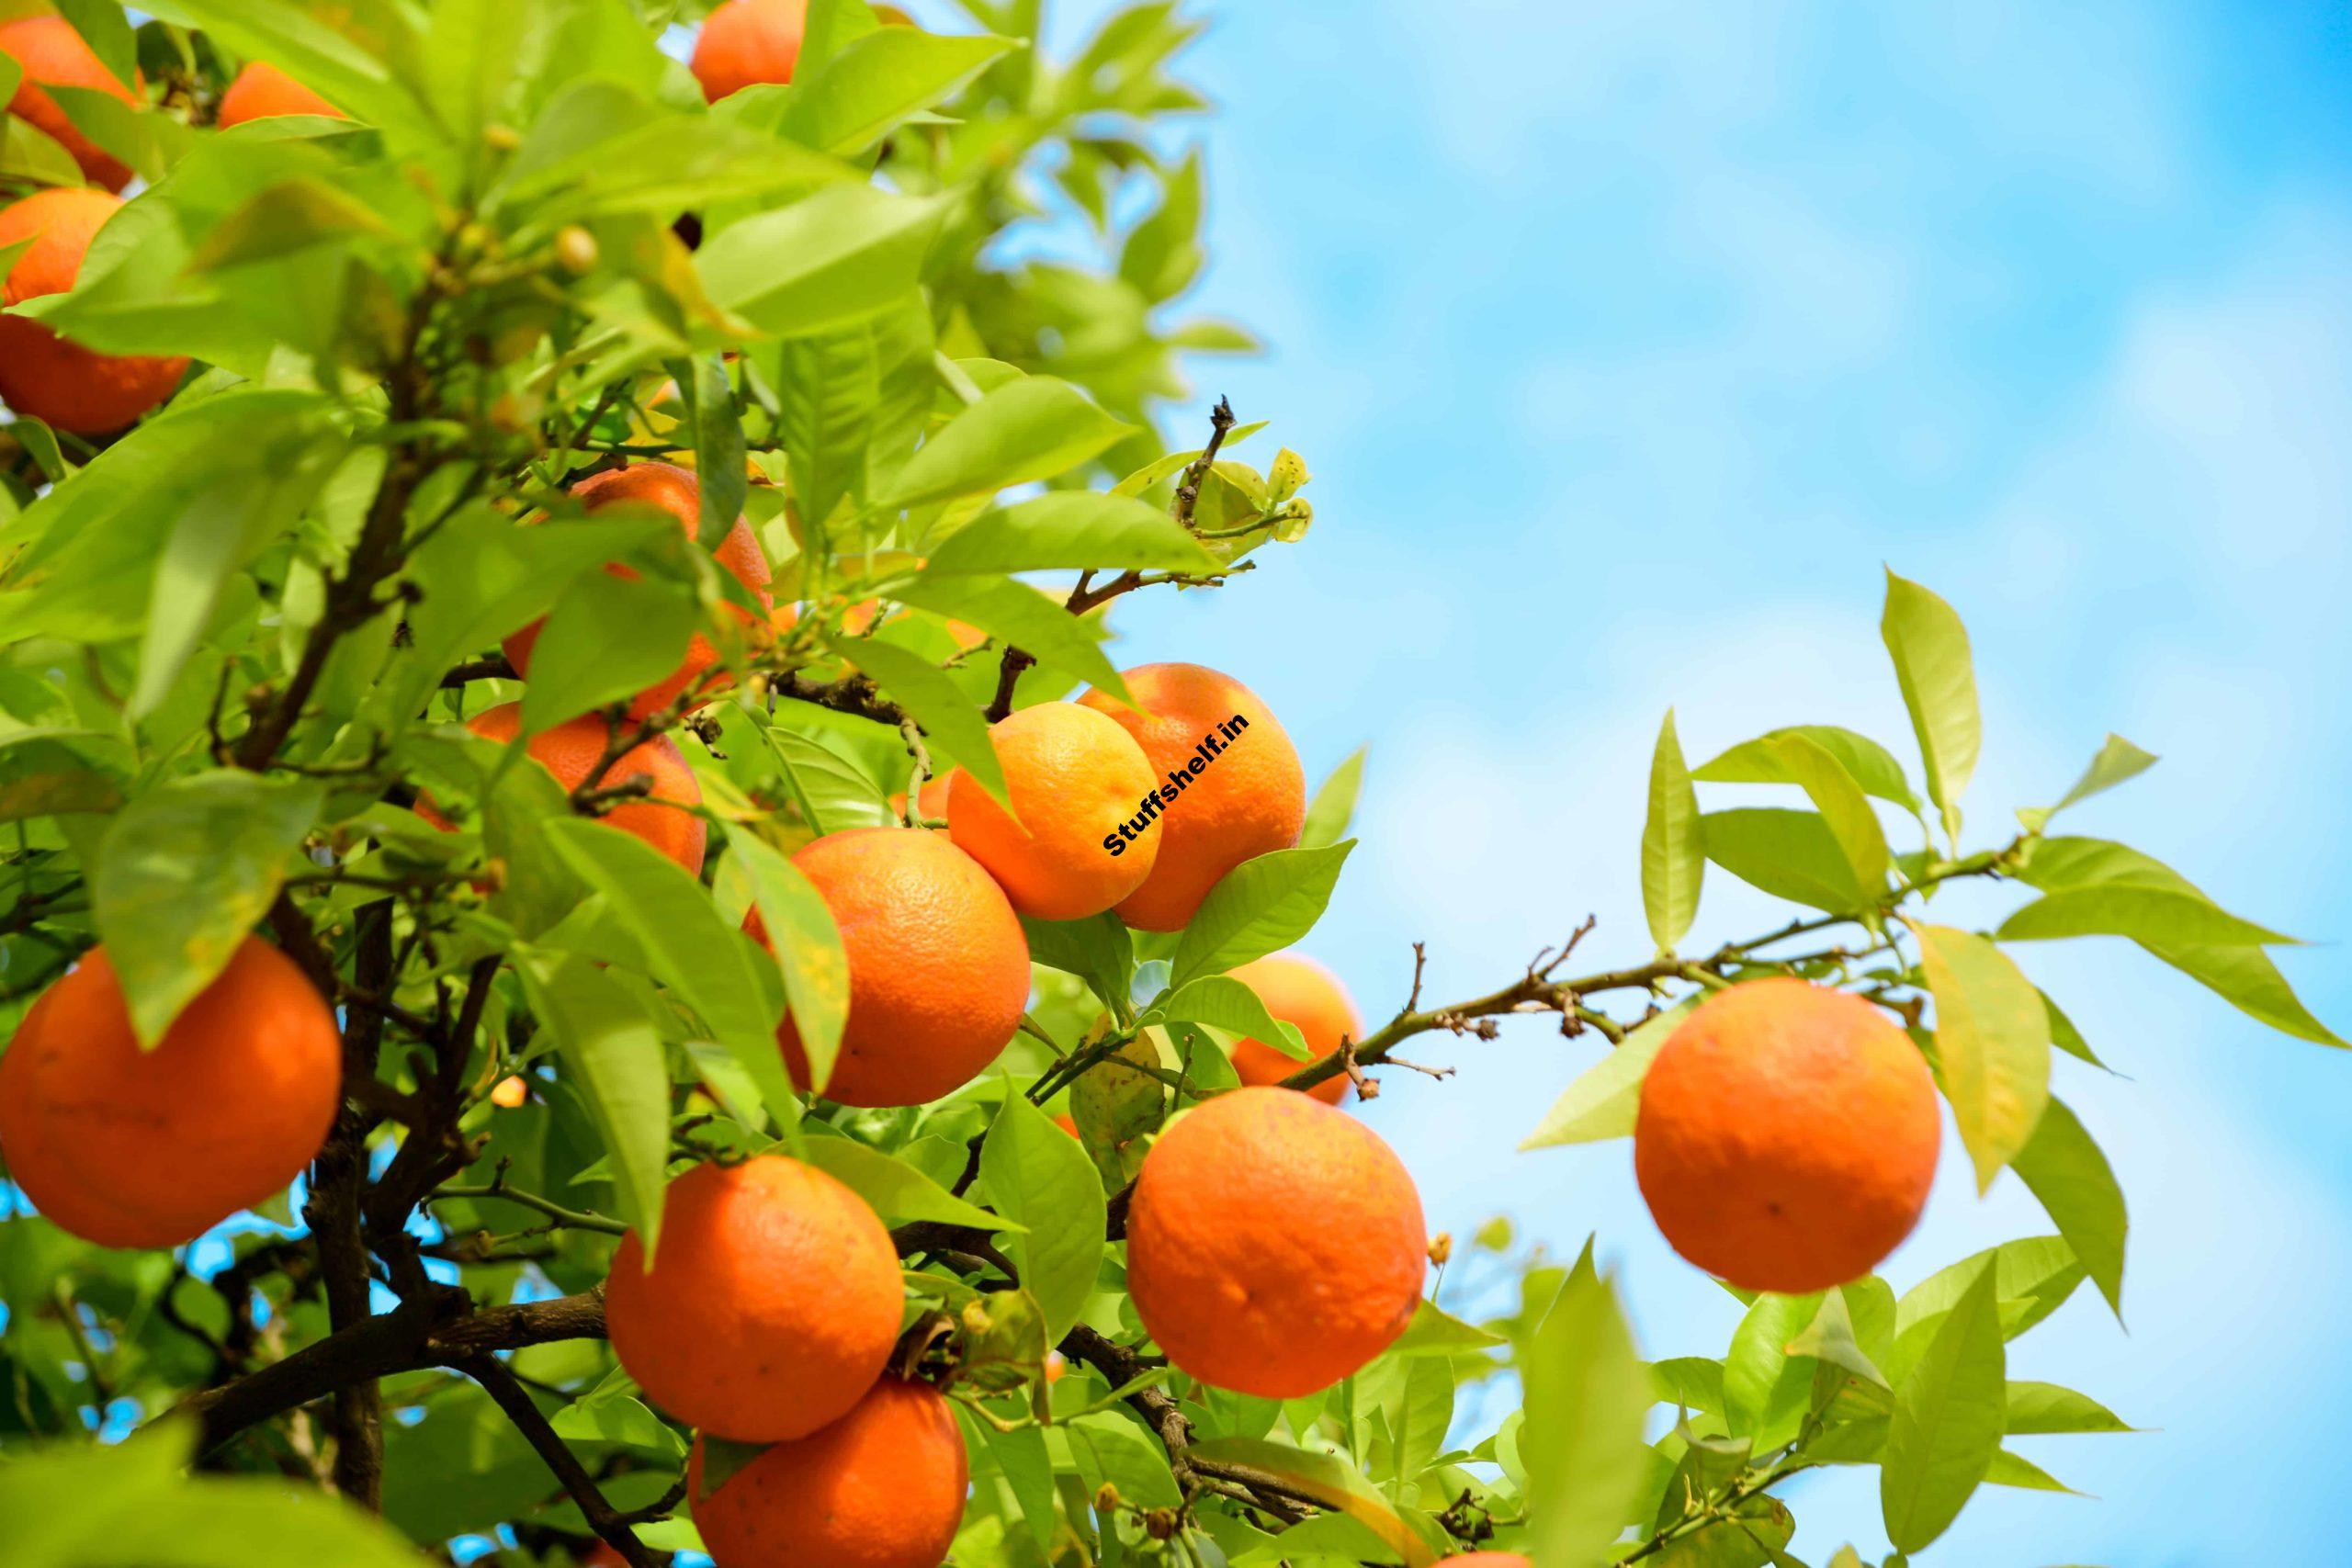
(515, 1400)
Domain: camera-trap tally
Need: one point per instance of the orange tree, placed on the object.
(538, 1004)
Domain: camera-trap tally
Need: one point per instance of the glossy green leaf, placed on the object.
(950, 721)
(708, 964)
(1330, 1481)
(1070, 530)
(1842, 805)
(1586, 1396)
(1757, 762)
(2117, 762)
(894, 1190)
(1434, 1331)
(807, 948)
(1930, 647)
(1832, 1337)
(844, 254)
(189, 869)
(716, 424)
(1949, 1415)
(1992, 1043)
(1097, 950)
(1334, 804)
(607, 1040)
(1260, 906)
(878, 80)
(1765, 1388)
(1019, 617)
(1674, 854)
(1037, 1175)
(1790, 854)
(2066, 1170)
(607, 638)
(852, 403)
(2032, 1277)
(1230, 1004)
(1606, 1099)
(2153, 916)
(1030, 429)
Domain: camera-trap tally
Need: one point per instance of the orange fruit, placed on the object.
(1787, 1136)
(41, 374)
(882, 1487)
(54, 55)
(572, 748)
(1067, 1123)
(664, 486)
(1302, 992)
(262, 90)
(938, 964)
(1274, 1244)
(1078, 843)
(509, 1092)
(746, 43)
(932, 800)
(128, 1147)
(1229, 784)
(771, 1304)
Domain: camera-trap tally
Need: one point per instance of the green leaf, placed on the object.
(2118, 760)
(1419, 1420)
(1259, 906)
(717, 425)
(1037, 1175)
(107, 31)
(1949, 1415)
(1757, 762)
(2153, 916)
(1163, 254)
(1070, 530)
(1930, 647)
(2043, 1407)
(852, 403)
(285, 220)
(305, 48)
(2015, 1470)
(847, 253)
(609, 639)
(1016, 614)
(708, 964)
(1434, 1331)
(1765, 1388)
(894, 1190)
(1031, 429)
(1226, 1003)
(149, 144)
(878, 80)
(2064, 1168)
(606, 1039)
(807, 948)
(1334, 805)
(1832, 1337)
(1674, 855)
(187, 870)
(1331, 1483)
(1992, 1041)
(953, 726)
(1028, 1469)
(830, 791)
(1605, 1101)
(1842, 805)
(1097, 950)
(1790, 854)
(1581, 1443)
(2032, 1277)
(2249, 980)
(31, 154)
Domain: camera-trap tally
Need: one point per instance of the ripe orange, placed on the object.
(771, 1307)
(572, 748)
(262, 91)
(1297, 991)
(882, 1487)
(128, 1147)
(1787, 1136)
(666, 488)
(41, 374)
(1079, 844)
(932, 801)
(746, 43)
(938, 964)
(1274, 1244)
(54, 55)
(1223, 797)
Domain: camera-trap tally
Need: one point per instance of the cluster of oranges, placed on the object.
(63, 384)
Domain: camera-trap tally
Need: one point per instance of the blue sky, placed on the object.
(1625, 343)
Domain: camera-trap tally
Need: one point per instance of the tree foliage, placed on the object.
(237, 643)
